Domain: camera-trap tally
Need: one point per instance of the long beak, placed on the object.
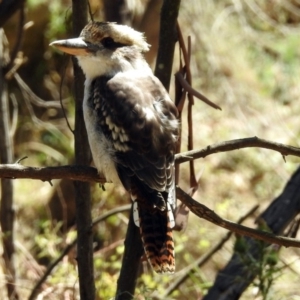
(75, 46)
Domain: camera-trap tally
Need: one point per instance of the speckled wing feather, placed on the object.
(138, 117)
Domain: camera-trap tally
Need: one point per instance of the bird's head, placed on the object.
(105, 48)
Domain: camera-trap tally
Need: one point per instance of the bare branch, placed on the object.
(8, 8)
(80, 173)
(29, 94)
(85, 173)
(71, 245)
(236, 276)
(204, 212)
(193, 92)
(167, 40)
(130, 263)
(204, 258)
(235, 145)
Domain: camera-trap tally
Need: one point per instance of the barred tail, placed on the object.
(156, 232)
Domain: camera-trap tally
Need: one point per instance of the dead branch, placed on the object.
(205, 213)
(236, 276)
(80, 173)
(131, 262)
(204, 258)
(33, 98)
(86, 173)
(188, 88)
(71, 245)
(167, 40)
(237, 144)
(7, 192)
(82, 156)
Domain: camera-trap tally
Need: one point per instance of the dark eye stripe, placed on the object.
(109, 43)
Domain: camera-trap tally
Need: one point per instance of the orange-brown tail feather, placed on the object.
(156, 233)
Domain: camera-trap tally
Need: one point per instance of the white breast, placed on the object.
(101, 148)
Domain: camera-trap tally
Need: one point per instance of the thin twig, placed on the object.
(15, 116)
(60, 93)
(195, 93)
(28, 93)
(68, 248)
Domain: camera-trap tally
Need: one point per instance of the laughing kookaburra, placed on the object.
(132, 129)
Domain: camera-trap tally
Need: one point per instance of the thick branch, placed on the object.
(6, 193)
(131, 262)
(8, 8)
(80, 173)
(82, 156)
(86, 173)
(167, 40)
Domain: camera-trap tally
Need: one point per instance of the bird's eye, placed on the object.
(108, 42)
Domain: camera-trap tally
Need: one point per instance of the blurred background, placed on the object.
(245, 58)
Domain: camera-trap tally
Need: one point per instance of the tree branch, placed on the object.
(82, 156)
(236, 276)
(167, 40)
(205, 213)
(236, 145)
(203, 259)
(80, 173)
(6, 193)
(131, 262)
(70, 246)
(86, 173)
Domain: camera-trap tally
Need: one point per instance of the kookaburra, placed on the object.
(132, 129)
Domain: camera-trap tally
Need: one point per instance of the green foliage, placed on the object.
(48, 240)
(265, 265)
(59, 16)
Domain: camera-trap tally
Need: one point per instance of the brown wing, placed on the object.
(140, 119)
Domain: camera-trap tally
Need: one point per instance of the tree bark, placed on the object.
(6, 156)
(131, 262)
(232, 281)
(167, 40)
(8, 8)
(117, 11)
(82, 156)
